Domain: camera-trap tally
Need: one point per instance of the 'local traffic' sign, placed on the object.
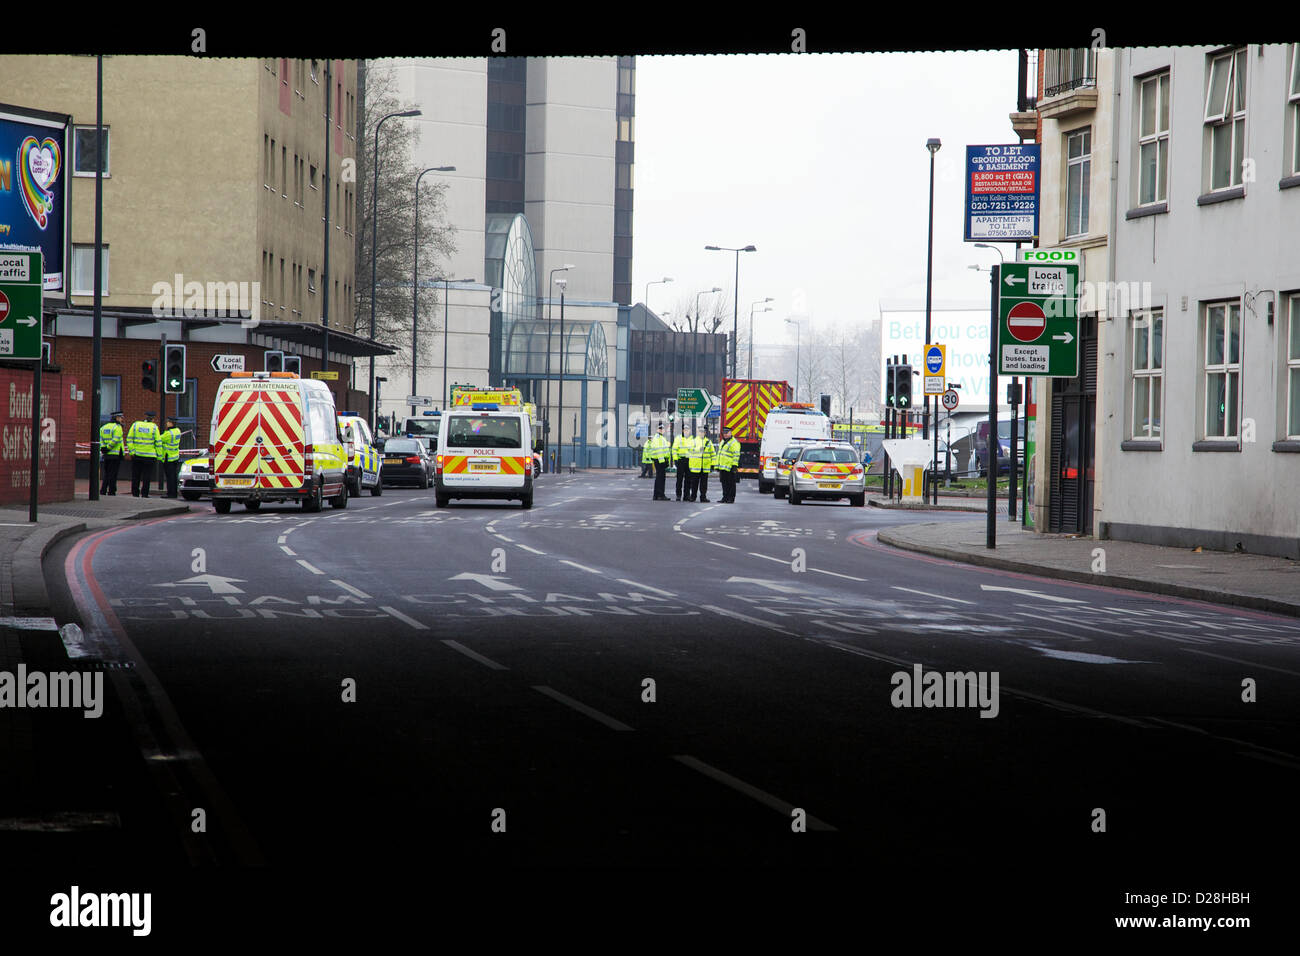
(21, 282)
(227, 363)
(693, 401)
(935, 383)
(1038, 327)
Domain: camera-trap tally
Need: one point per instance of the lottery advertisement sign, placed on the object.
(34, 188)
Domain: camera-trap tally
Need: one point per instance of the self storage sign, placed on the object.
(1002, 193)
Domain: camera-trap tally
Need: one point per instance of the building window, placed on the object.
(311, 281)
(83, 269)
(89, 152)
(1225, 118)
(110, 396)
(1293, 98)
(313, 177)
(1293, 371)
(1222, 368)
(626, 129)
(1153, 140)
(1148, 373)
(1078, 151)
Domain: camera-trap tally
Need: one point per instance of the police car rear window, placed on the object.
(479, 431)
(402, 445)
(840, 455)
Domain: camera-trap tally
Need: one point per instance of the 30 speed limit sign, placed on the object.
(949, 399)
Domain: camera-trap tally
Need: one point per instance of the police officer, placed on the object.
(681, 462)
(707, 454)
(169, 450)
(645, 462)
(110, 443)
(143, 444)
(656, 452)
(728, 462)
(694, 460)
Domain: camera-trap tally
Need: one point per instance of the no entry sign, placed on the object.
(1026, 321)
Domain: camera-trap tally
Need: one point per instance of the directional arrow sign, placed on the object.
(693, 401)
(21, 280)
(1038, 327)
(216, 582)
(227, 363)
(492, 581)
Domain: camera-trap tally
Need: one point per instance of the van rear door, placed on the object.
(259, 441)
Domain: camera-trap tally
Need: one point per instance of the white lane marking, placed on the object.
(1223, 657)
(581, 708)
(287, 532)
(762, 796)
(1232, 740)
(646, 587)
(719, 544)
(838, 575)
(580, 567)
(746, 618)
(402, 617)
(313, 570)
(504, 538)
(687, 534)
(533, 550)
(457, 646)
(677, 527)
(349, 588)
(280, 540)
(941, 597)
(289, 551)
(768, 557)
(1034, 594)
(1289, 764)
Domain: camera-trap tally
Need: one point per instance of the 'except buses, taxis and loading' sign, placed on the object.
(1038, 320)
(1002, 193)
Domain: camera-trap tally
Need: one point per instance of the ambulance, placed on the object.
(275, 437)
(485, 451)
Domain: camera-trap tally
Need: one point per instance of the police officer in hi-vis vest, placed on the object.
(728, 462)
(656, 453)
(707, 454)
(682, 463)
(142, 444)
(110, 444)
(169, 450)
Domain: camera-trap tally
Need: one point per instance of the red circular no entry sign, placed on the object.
(4, 307)
(1026, 321)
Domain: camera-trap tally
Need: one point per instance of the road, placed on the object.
(613, 681)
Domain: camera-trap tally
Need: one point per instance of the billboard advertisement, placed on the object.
(1002, 193)
(961, 327)
(34, 189)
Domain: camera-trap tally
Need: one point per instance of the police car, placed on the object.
(485, 451)
(364, 462)
(828, 470)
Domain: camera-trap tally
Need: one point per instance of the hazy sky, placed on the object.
(819, 160)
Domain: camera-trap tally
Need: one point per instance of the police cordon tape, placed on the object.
(83, 451)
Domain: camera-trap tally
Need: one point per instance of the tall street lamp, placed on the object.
(564, 268)
(932, 144)
(446, 329)
(374, 258)
(697, 327)
(415, 277)
(559, 420)
(751, 330)
(645, 404)
(798, 345)
(735, 299)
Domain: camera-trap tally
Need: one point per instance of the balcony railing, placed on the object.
(1067, 70)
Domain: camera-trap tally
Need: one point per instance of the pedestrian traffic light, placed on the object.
(903, 386)
(826, 405)
(174, 369)
(274, 361)
(149, 375)
(889, 385)
(293, 363)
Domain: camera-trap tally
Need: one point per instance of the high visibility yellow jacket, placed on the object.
(709, 453)
(728, 454)
(143, 440)
(680, 448)
(110, 438)
(695, 453)
(656, 449)
(169, 445)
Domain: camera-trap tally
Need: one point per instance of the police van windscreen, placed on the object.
(480, 431)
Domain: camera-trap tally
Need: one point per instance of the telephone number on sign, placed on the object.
(1001, 205)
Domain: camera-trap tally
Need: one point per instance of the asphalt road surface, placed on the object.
(605, 680)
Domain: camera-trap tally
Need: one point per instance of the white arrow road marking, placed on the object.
(941, 597)
(770, 585)
(492, 581)
(1037, 594)
(216, 582)
(1067, 338)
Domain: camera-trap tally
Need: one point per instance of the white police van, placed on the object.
(485, 451)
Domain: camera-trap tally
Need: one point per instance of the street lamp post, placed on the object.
(446, 330)
(559, 419)
(932, 145)
(798, 346)
(563, 268)
(644, 402)
(735, 298)
(697, 328)
(751, 331)
(374, 258)
(415, 279)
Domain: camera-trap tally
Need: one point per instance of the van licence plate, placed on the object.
(235, 482)
(489, 466)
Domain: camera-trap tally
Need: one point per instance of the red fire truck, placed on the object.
(745, 404)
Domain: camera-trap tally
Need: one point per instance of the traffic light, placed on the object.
(672, 406)
(274, 361)
(903, 386)
(149, 375)
(174, 369)
(292, 363)
(889, 385)
(826, 405)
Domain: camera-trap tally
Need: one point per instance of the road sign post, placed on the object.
(934, 370)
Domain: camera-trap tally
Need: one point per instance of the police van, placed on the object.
(275, 437)
(784, 422)
(359, 448)
(485, 451)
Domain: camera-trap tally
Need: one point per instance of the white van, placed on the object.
(790, 423)
(485, 450)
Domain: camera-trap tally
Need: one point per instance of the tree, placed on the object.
(811, 353)
(714, 309)
(395, 231)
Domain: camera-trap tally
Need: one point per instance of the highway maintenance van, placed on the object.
(275, 437)
(485, 451)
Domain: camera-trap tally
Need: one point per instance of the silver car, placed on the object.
(830, 470)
